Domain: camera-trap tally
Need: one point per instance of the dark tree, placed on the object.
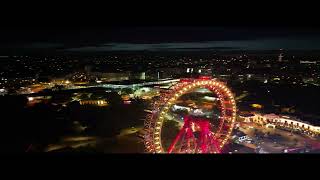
(126, 91)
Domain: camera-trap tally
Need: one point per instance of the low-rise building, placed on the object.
(282, 121)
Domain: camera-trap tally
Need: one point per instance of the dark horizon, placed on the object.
(66, 40)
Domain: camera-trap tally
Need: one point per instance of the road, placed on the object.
(73, 142)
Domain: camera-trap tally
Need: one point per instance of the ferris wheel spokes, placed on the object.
(205, 143)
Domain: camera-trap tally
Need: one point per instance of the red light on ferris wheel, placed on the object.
(204, 77)
(185, 80)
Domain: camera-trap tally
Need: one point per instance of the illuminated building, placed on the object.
(94, 102)
(137, 75)
(281, 121)
(280, 57)
(3, 92)
(308, 62)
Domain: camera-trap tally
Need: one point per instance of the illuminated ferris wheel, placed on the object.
(192, 131)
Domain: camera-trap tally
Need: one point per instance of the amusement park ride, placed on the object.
(196, 135)
(205, 143)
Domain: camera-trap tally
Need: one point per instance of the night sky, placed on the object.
(104, 39)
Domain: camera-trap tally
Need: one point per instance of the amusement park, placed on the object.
(196, 115)
(199, 115)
